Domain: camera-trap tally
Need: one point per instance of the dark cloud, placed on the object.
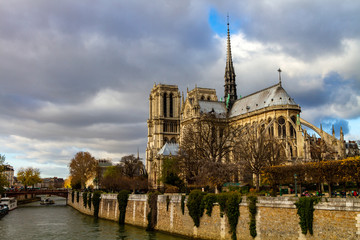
(68, 51)
(77, 76)
(304, 29)
(333, 92)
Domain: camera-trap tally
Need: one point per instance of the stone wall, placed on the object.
(276, 218)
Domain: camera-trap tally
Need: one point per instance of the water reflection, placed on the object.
(58, 221)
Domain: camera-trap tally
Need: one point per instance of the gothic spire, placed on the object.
(230, 85)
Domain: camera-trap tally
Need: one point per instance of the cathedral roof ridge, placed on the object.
(201, 88)
(217, 107)
(254, 93)
(272, 96)
(165, 85)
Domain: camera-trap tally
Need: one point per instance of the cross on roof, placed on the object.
(279, 70)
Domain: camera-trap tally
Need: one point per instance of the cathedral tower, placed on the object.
(230, 85)
(163, 124)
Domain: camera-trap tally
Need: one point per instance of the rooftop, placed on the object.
(271, 96)
(169, 149)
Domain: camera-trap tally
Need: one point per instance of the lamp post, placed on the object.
(295, 177)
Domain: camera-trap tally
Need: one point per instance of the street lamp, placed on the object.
(295, 177)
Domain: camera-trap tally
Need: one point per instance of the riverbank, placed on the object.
(276, 218)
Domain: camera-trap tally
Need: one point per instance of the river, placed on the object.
(34, 221)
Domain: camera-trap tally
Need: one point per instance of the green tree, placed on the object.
(29, 176)
(171, 171)
(132, 166)
(113, 179)
(82, 168)
(3, 181)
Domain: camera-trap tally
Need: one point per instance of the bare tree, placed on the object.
(257, 150)
(205, 151)
(82, 167)
(320, 150)
(119, 177)
(132, 166)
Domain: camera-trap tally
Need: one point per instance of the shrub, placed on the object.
(233, 212)
(89, 201)
(222, 198)
(167, 203)
(171, 189)
(183, 204)
(72, 196)
(305, 210)
(152, 215)
(122, 200)
(252, 213)
(209, 201)
(96, 203)
(195, 206)
(84, 195)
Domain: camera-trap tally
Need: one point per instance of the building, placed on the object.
(352, 148)
(9, 175)
(272, 108)
(103, 165)
(50, 183)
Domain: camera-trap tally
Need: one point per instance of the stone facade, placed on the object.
(276, 218)
(9, 175)
(163, 126)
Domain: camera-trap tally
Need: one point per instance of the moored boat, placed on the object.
(10, 202)
(47, 201)
(3, 210)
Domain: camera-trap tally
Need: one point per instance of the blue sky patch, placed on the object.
(218, 22)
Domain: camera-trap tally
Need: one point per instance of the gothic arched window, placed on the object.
(271, 128)
(292, 129)
(171, 105)
(164, 104)
(281, 127)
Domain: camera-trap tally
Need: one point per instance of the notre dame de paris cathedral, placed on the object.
(169, 112)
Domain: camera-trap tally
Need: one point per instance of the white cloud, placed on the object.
(77, 77)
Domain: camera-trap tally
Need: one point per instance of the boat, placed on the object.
(47, 201)
(3, 210)
(10, 202)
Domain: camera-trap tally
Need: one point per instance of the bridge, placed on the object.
(57, 192)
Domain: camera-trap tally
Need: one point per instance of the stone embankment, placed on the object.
(276, 218)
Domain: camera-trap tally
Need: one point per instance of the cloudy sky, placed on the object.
(76, 75)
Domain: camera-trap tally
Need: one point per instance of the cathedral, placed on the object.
(170, 111)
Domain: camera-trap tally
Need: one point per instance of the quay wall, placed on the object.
(334, 218)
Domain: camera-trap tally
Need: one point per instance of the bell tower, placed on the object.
(163, 125)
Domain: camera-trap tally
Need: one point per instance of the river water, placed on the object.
(34, 221)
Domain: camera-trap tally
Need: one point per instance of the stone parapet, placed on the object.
(334, 218)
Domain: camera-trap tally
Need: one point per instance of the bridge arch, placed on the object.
(61, 193)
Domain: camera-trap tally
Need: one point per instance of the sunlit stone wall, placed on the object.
(336, 218)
